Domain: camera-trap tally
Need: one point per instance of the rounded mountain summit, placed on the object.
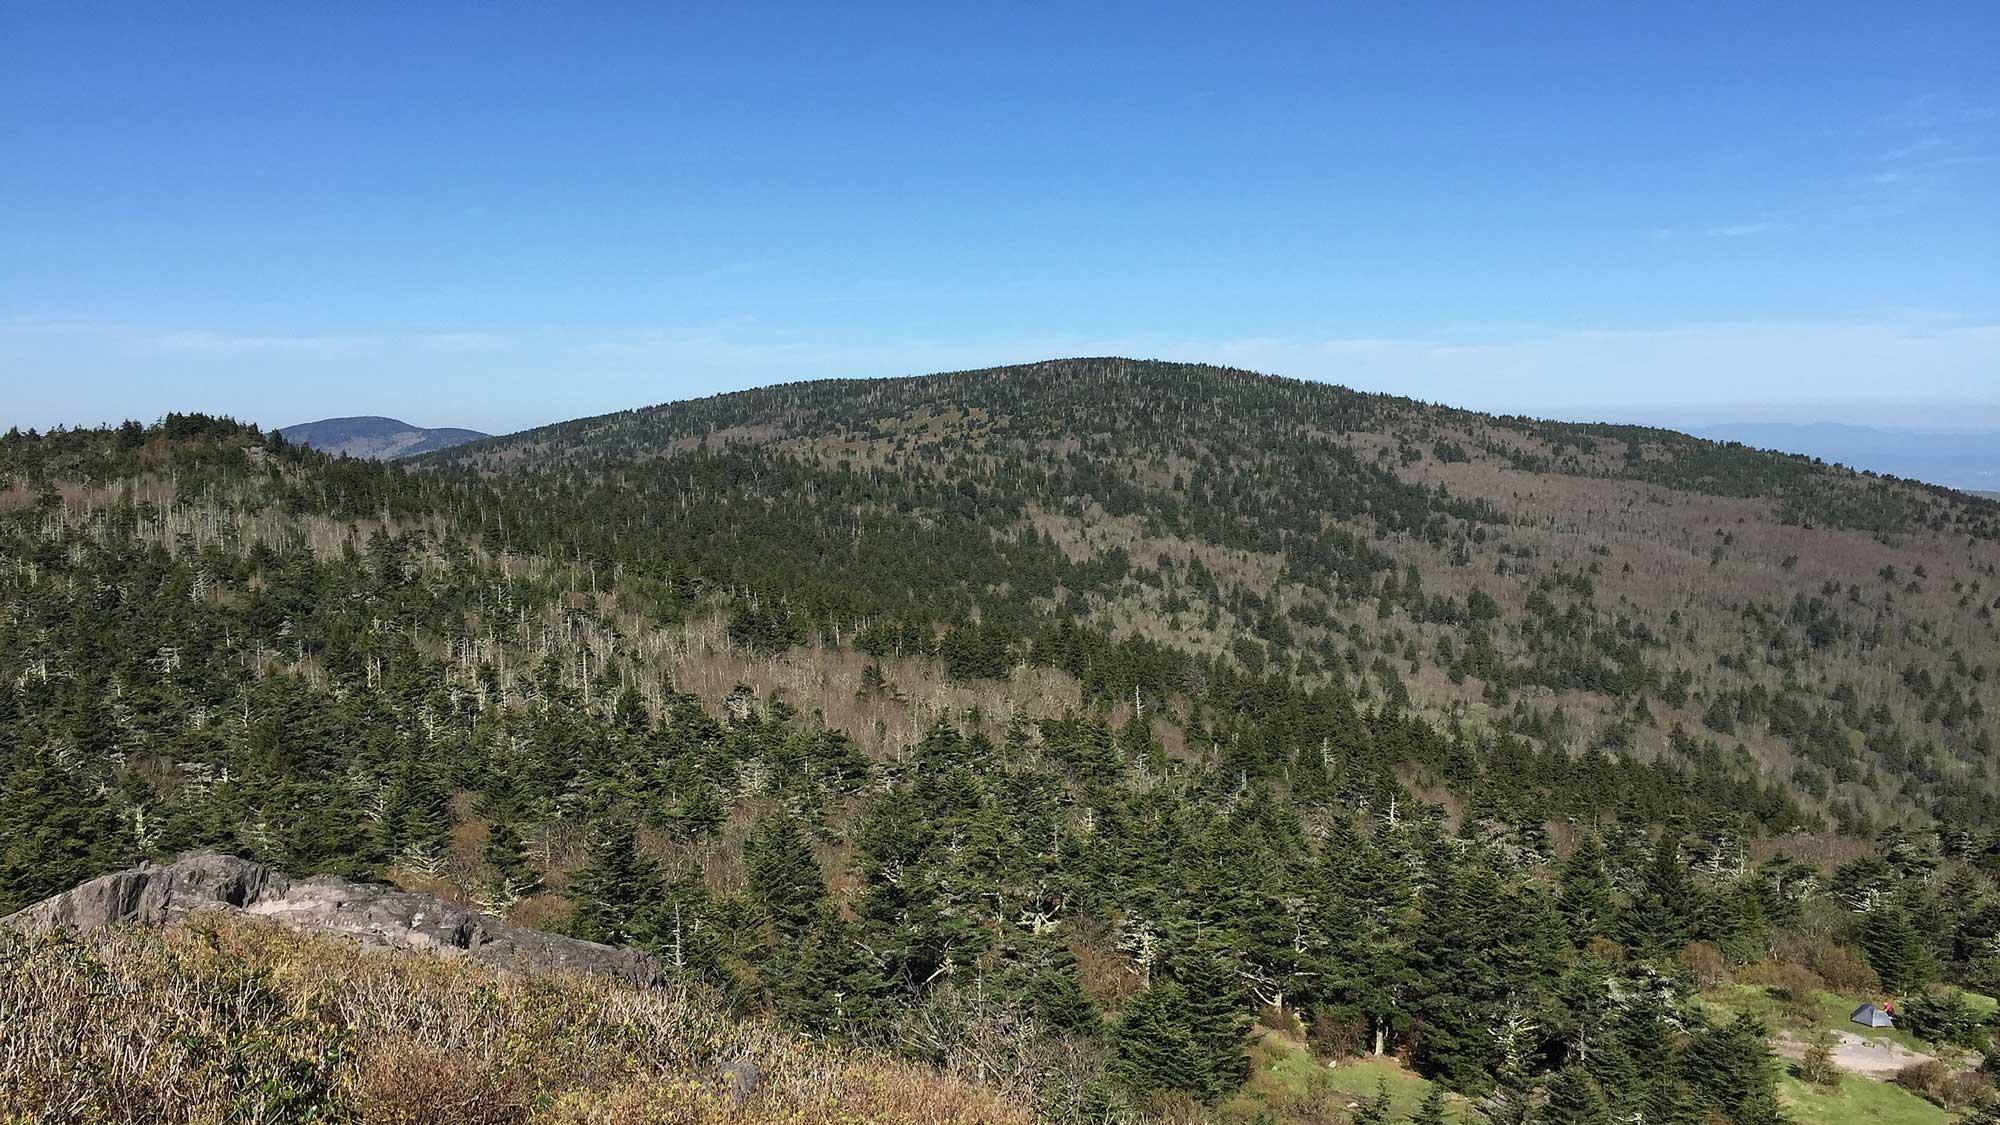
(375, 437)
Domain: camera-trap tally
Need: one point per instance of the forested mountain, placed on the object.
(1052, 724)
(1589, 586)
(384, 439)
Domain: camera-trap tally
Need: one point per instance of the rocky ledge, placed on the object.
(154, 895)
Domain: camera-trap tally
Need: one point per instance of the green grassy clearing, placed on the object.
(1828, 1011)
(1285, 1074)
(1856, 1100)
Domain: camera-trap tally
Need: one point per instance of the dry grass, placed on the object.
(238, 1020)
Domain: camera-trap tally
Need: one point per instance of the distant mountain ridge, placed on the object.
(376, 438)
(1969, 461)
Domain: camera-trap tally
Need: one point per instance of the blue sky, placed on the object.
(498, 215)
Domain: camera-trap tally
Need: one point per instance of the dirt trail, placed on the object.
(1871, 1058)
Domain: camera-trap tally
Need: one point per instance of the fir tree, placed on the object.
(1574, 1099)
(1056, 995)
(784, 876)
(1376, 1110)
(822, 981)
(414, 817)
(1664, 914)
(1153, 1048)
(1431, 1110)
(1585, 899)
(1896, 951)
(1218, 1018)
(513, 872)
(615, 891)
(54, 831)
(1732, 1071)
(700, 812)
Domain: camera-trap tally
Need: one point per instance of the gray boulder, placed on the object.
(741, 1078)
(378, 916)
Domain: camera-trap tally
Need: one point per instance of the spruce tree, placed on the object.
(55, 832)
(615, 891)
(822, 981)
(784, 876)
(1218, 1016)
(1055, 994)
(1431, 1110)
(1574, 1099)
(1645, 1034)
(1376, 1110)
(1586, 902)
(513, 872)
(699, 813)
(1896, 951)
(414, 815)
(1153, 1048)
(682, 929)
(1732, 1071)
(1664, 915)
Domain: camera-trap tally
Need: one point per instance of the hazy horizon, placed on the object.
(1696, 422)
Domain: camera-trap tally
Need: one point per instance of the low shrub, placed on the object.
(408, 1083)
(1942, 1086)
(1705, 964)
(1845, 972)
(241, 1020)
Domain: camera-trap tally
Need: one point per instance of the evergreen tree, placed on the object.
(684, 930)
(1217, 1015)
(1574, 1099)
(1376, 1110)
(1585, 900)
(784, 876)
(414, 817)
(1896, 951)
(1646, 1035)
(1664, 915)
(1732, 1071)
(699, 813)
(1153, 1047)
(616, 890)
(55, 832)
(1431, 1110)
(513, 872)
(822, 981)
(1055, 994)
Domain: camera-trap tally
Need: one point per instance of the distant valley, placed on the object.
(376, 438)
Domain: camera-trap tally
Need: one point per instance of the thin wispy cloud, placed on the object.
(1924, 144)
(1913, 150)
(1744, 230)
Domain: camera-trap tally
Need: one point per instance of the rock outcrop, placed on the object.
(153, 895)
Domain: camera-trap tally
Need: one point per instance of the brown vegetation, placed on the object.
(241, 1020)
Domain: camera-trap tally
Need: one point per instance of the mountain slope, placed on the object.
(376, 438)
(236, 1018)
(1047, 725)
(1596, 585)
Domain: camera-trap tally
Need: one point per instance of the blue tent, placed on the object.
(1872, 1015)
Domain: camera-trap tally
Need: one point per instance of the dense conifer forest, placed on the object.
(1074, 727)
